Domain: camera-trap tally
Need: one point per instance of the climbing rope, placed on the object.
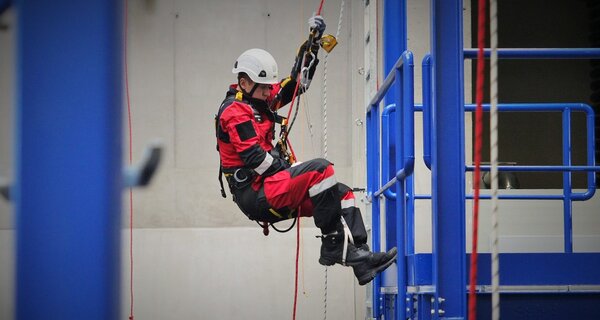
(325, 298)
(296, 273)
(477, 156)
(125, 24)
(286, 140)
(494, 157)
(337, 34)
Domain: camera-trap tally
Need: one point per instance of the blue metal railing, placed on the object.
(403, 76)
(566, 108)
(567, 168)
(539, 53)
(406, 118)
(397, 133)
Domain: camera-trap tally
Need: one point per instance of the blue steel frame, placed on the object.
(566, 108)
(403, 75)
(568, 196)
(68, 178)
(448, 191)
(395, 43)
(447, 160)
(448, 262)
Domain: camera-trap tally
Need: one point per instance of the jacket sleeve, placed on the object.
(238, 121)
(284, 93)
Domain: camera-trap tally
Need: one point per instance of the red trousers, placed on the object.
(307, 189)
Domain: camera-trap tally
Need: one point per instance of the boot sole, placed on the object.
(328, 262)
(371, 275)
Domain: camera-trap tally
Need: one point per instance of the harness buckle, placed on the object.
(240, 175)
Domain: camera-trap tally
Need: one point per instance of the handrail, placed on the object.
(568, 196)
(538, 168)
(566, 108)
(539, 53)
(407, 116)
(385, 146)
(403, 75)
(590, 141)
(427, 112)
(535, 107)
(387, 83)
(521, 54)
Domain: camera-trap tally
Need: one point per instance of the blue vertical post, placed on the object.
(400, 212)
(394, 43)
(409, 146)
(395, 39)
(68, 175)
(567, 182)
(373, 134)
(448, 165)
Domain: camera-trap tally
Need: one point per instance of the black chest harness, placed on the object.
(237, 176)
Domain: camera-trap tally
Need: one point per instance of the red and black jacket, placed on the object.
(245, 129)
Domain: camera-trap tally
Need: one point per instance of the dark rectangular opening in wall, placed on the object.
(535, 138)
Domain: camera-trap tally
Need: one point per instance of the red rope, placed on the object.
(296, 273)
(298, 226)
(294, 156)
(477, 156)
(290, 112)
(320, 7)
(130, 162)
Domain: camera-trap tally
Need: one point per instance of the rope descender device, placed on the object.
(328, 42)
(282, 144)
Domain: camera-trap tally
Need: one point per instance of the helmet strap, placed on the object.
(249, 94)
(253, 89)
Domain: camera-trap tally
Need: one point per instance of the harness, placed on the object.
(240, 177)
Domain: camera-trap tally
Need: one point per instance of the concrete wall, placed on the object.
(7, 87)
(195, 254)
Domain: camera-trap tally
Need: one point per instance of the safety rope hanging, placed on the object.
(125, 22)
(494, 157)
(337, 34)
(284, 141)
(325, 146)
(477, 157)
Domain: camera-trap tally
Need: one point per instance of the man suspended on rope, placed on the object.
(265, 184)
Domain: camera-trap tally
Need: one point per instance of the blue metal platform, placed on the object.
(532, 285)
(562, 285)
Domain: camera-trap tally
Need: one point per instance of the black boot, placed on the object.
(377, 262)
(332, 250)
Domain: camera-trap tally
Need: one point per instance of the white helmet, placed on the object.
(258, 64)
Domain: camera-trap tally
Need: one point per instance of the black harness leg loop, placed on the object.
(223, 194)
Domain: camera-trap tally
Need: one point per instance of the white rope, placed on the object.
(337, 34)
(309, 124)
(494, 157)
(325, 297)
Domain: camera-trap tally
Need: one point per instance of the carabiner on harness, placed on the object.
(305, 80)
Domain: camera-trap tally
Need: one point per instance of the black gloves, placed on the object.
(308, 53)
